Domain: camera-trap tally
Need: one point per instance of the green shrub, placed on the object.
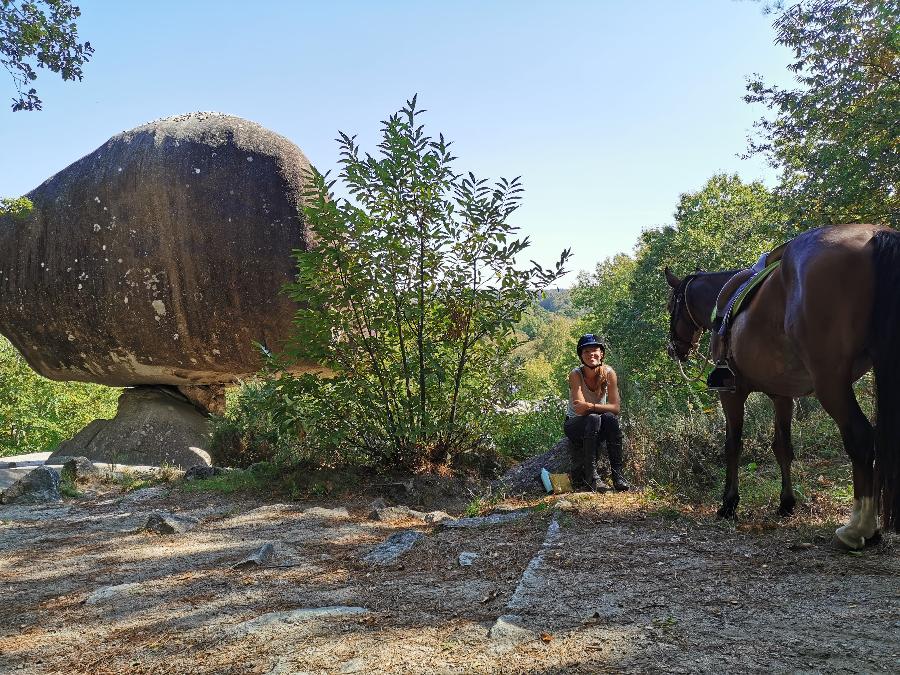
(519, 435)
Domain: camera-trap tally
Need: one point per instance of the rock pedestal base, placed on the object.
(153, 426)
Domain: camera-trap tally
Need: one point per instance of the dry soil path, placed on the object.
(599, 585)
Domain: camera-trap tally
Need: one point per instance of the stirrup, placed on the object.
(721, 378)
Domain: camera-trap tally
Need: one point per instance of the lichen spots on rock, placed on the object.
(159, 307)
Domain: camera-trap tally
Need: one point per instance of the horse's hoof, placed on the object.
(874, 540)
(846, 546)
(727, 513)
(786, 510)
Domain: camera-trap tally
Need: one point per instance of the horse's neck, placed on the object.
(703, 293)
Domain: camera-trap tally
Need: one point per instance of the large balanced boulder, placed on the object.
(159, 257)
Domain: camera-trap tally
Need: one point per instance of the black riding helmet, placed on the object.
(590, 340)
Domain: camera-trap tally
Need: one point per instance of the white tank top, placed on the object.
(589, 394)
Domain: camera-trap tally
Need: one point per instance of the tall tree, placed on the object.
(40, 34)
(836, 136)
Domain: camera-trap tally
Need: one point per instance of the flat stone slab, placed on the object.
(295, 616)
(105, 593)
(481, 521)
(263, 556)
(392, 547)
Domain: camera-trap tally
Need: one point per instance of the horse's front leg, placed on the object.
(733, 405)
(784, 451)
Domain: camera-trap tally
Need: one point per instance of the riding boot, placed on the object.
(614, 447)
(590, 478)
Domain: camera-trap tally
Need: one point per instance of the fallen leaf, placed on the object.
(546, 637)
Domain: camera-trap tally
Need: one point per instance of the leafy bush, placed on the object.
(37, 413)
(411, 294)
(519, 435)
(286, 420)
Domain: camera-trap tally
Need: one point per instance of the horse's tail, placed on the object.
(885, 348)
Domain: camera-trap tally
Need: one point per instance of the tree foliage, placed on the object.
(411, 293)
(37, 413)
(836, 136)
(40, 34)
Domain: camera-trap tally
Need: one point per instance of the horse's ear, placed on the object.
(674, 281)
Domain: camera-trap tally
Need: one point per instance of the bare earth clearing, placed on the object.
(602, 583)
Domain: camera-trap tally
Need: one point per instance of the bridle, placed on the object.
(680, 300)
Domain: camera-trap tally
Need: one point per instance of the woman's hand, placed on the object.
(583, 407)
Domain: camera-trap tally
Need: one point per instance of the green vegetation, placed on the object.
(836, 136)
(42, 34)
(37, 413)
(411, 296)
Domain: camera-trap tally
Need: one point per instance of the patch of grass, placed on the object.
(238, 480)
(67, 487)
(483, 502)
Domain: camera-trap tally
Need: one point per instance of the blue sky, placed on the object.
(608, 110)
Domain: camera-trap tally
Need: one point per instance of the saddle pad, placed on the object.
(741, 295)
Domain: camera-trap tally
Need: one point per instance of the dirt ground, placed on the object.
(599, 583)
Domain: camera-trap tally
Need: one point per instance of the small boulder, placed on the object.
(393, 513)
(202, 472)
(264, 556)
(392, 548)
(38, 486)
(79, 469)
(162, 522)
(466, 558)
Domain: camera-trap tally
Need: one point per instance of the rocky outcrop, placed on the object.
(38, 486)
(158, 258)
(525, 478)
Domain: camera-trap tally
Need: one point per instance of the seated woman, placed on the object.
(593, 416)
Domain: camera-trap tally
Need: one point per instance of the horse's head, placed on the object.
(684, 332)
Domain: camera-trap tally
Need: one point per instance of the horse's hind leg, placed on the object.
(733, 405)
(839, 401)
(784, 451)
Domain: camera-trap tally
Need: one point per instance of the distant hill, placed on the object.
(558, 301)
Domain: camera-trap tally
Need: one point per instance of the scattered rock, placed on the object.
(110, 592)
(508, 632)
(435, 517)
(264, 556)
(493, 519)
(466, 558)
(202, 472)
(392, 547)
(78, 469)
(162, 522)
(320, 512)
(294, 616)
(38, 486)
(391, 513)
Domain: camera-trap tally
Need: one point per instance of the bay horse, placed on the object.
(823, 318)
